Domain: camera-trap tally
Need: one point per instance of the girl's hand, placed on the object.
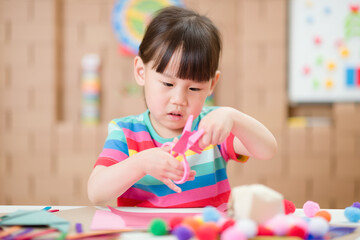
(160, 164)
(217, 126)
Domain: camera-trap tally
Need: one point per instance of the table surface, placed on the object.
(84, 215)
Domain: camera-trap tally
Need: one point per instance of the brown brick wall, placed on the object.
(46, 155)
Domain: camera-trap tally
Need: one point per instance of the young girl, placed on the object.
(178, 68)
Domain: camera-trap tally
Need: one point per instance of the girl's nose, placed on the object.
(179, 97)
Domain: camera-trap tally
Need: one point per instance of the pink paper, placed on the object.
(105, 220)
(141, 220)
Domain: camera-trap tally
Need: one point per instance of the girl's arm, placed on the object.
(252, 138)
(107, 183)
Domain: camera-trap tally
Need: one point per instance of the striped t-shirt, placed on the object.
(132, 134)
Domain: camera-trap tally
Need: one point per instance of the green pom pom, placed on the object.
(158, 227)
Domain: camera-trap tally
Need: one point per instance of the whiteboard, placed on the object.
(324, 51)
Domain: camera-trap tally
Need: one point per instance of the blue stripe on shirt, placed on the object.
(199, 182)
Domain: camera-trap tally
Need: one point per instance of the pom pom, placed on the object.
(182, 232)
(289, 207)
(352, 214)
(175, 221)
(356, 204)
(228, 223)
(248, 227)
(318, 227)
(207, 231)
(211, 214)
(324, 214)
(278, 224)
(297, 231)
(311, 208)
(192, 223)
(158, 227)
(232, 233)
(264, 231)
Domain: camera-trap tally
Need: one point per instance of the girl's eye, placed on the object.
(167, 84)
(195, 89)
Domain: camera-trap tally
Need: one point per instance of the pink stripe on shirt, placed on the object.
(179, 198)
(114, 154)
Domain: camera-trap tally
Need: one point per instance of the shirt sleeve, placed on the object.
(228, 150)
(115, 148)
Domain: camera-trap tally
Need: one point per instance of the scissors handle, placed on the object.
(186, 170)
(184, 162)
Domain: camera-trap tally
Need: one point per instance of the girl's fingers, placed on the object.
(171, 185)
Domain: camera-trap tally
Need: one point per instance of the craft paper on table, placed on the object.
(35, 218)
(116, 219)
(106, 220)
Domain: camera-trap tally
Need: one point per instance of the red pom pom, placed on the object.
(206, 232)
(296, 231)
(289, 207)
(264, 231)
(174, 222)
(227, 224)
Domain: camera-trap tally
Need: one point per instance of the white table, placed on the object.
(338, 217)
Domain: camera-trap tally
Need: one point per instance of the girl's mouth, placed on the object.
(175, 116)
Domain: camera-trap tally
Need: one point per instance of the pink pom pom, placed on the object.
(289, 207)
(311, 208)
(232, 233)
(278, 224)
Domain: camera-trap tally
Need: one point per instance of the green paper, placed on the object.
(35, 218)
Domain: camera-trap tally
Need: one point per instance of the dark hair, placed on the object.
(195, 36)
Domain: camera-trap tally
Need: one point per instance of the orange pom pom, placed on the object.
(324, 214)
(192, 223)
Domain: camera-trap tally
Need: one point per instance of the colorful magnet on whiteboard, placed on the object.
(319, 60)
(317, 40)
(354, 8)
(331, 65)
(306, 70)
(329, 83)
(327, 10)
(344, 52)
(350, 76)
(316, 83)
(339, 43)
(309, 19)
(309, 3)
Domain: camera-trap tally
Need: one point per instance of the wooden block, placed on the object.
(345, 144)
(74, 12)
(44, 56)
(336, 189)
(75, 164)
(19, 185)
(15, 11)
(236, 176)
(264, 168)
(64, 138)
(347, 165)
(17, 54)
(86, 136)
(25, 32)
(17, 141)
(322, 141)
(44, 11)
(15, 98)
(298, 142)
(98, 33)
(294, 188)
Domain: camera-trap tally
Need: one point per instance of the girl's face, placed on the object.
(171, 100)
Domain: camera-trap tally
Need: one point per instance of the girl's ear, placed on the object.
(139, 71)
(214, 82)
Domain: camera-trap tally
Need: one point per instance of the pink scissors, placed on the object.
(188, 140)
